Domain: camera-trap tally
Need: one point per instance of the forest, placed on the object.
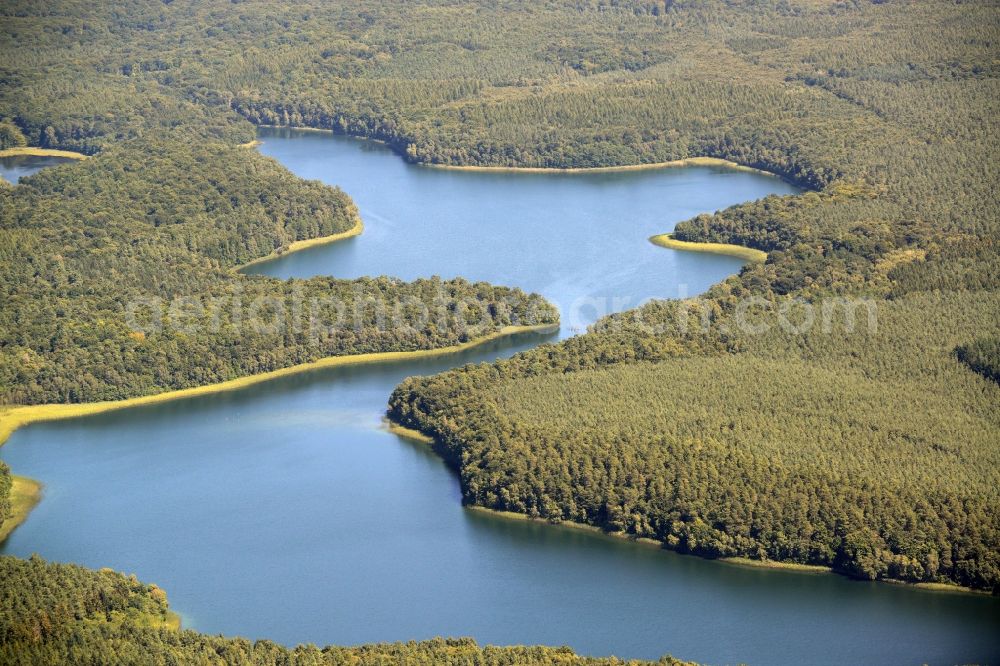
(54, 614)
(869, 449)
(155, 230)
(877, 459)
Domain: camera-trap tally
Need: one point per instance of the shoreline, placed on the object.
(25, 494)
(702, 160)
(307, 243)
(309, 129)
(947, 588)
(777, 564)
(406, 433)
(748, 254)
(567, 524)
(649, 166)
(41, 152)
(27, 414)
(13, 417)
(774, 565)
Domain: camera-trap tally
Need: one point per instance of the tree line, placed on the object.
(118, 278)
(884, 110)
(54, 613)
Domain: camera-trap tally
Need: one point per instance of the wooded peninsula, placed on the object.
(870, 449)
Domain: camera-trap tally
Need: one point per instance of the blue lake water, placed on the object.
(287, 511)
(14, 168)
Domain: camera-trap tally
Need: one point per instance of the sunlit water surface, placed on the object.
(286, 510)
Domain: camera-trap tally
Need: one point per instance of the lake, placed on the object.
(15, 167)
(287, 511)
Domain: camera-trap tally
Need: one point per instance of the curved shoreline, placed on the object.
(13, 417)
(774, 565)
(41, 152)
(624, 536)
(748, 254)
(303, 244)
(18, 416)
(702, 160)
(406, 433)
(25, 494)
(650, 166)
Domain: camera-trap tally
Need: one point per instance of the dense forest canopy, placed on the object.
(64, 614)
(873, 452)
(869, 449)
(118, 278)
